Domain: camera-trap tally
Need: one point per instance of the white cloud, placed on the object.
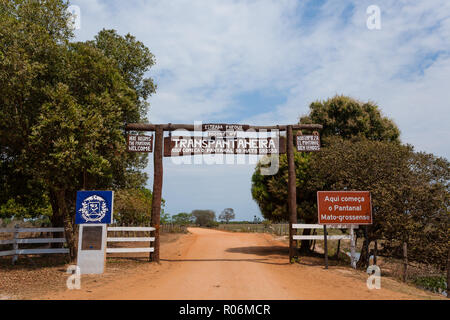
(208, 52)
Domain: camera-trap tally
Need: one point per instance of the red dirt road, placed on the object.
(211, 264)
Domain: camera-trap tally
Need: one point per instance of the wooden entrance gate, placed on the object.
(158, 152)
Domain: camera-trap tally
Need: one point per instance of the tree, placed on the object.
(133, 206)
(227, 215)
(183, 218)
(409, 191)
(346, 117)
(64, 106)
(361, 164)
(204, 218)
(341, 116)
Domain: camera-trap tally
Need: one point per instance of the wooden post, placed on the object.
(157, 189)
(448, 273)
(338, 249)
(405, 261)
(15, 244)
(375, 253)
(367, 244)
(352, 247)
(325, 246)
(292, 193)
(314, 241)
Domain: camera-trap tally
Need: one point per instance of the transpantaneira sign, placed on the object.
(344, 207)
(140, 143)
(182, 146)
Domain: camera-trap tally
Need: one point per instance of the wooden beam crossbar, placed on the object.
(191, 127)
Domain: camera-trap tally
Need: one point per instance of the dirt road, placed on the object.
(211, 264)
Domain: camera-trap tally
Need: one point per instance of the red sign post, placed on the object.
(344, 207)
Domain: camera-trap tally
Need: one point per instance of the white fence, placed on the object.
(350, 236)
(130, 239)
(16, 240)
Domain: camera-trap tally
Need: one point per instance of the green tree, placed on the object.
(341, 116)
(346, 117)
(133, 206)
(204, 218)
(64, 105)
(183, 218)
(361, 164)
(419, 215)
(409, 193)
(227, 215)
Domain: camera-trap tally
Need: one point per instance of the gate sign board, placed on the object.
(94, 207)
(344, 207)
(308, 143)
(224, 130)
(140, 143)
(184, 146)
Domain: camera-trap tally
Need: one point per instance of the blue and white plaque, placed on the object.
(94, 207)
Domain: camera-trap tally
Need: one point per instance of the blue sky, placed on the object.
(264, 62)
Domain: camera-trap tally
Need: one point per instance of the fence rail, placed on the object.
(350, 237)
(130, 239)
(15, 241)
(320, 226)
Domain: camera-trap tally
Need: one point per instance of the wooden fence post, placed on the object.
(375, 253)
(292, 192)
(157, 189)
(338, 249)
(325, 245)
(352, 247)
(405, 261)
(15, 244)
(448, 273)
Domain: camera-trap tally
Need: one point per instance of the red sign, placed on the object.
(344, 207)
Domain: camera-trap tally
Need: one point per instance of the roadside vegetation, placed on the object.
(362, 150)
(64, 105)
